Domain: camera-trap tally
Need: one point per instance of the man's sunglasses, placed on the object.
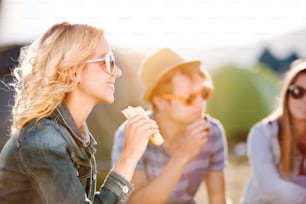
(204, 93)
(296, 92)
(109, 60)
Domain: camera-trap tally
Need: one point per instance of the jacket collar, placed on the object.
(63, 115)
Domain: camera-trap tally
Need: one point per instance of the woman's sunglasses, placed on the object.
(204, 93)
(109, 60)
(296, 92)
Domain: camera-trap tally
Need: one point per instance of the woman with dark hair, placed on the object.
(277, 146)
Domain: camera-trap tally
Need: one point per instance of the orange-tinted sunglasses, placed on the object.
(204, 93)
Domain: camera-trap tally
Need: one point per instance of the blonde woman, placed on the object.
(50, 155)
(277, 147)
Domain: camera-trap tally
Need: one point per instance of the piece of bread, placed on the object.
(129, 112)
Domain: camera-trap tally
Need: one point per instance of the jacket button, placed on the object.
(125, 189)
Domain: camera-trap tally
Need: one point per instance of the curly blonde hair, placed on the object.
(42, 78)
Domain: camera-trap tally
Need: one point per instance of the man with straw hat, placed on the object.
(194, 148)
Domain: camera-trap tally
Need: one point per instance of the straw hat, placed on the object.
(157, 65)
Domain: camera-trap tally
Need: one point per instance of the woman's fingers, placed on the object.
(133, 113)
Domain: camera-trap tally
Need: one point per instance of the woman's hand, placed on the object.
(137, 131)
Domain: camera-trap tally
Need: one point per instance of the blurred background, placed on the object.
(246, 45)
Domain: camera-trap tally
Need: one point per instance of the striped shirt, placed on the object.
(212, 157)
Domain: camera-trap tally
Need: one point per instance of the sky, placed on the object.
(157, 23)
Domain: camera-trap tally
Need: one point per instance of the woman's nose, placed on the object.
(117, 73)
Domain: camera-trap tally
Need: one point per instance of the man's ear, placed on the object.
(159, 102)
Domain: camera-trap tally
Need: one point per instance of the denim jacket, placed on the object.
(49, 163)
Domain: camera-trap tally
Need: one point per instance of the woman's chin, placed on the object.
(109, 100)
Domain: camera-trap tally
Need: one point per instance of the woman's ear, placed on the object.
(159, 102)
(74, 75)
